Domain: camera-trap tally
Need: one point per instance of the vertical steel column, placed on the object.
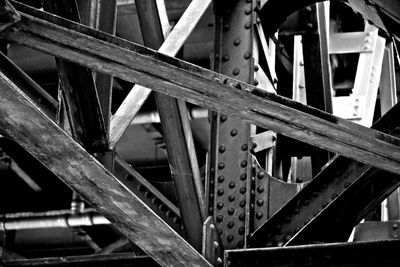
(316, 69)
(229, 160)
(102, 15)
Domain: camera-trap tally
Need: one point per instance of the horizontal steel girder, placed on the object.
(203, 87)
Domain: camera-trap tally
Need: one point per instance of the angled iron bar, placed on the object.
(78, 90)
(174, 136)
(171, 46)
(28, 86)
(326, 200)
(22, 121)
(177, 78)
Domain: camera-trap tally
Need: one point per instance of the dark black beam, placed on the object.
(203, 87)
(377, 254)
(78, 89)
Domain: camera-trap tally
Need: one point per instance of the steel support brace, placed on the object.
(229, 154)
(174, 135)
(203, 87)
(372, 254)
(84, 174)
(78, 90)
(337, 198)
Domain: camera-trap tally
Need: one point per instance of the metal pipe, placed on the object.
(51, 219)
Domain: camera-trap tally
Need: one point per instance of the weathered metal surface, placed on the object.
(326, 200)
(230, 158)
(205, 88)
(381, 253)
(174, 135)
(374, 231)
(84, 174)
(173, 43)
(78, 90)
(212, 248)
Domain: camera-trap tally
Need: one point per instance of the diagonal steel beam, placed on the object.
(22, 121)
(203, 87)
(172, 122)
(171, 46)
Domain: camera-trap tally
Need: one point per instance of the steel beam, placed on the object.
(117, 260)
(78, 90)
(229, 158)
(84, 174)
(339, 196)
(173, 43)
(206, 88)
(371, 254)
(172, 122)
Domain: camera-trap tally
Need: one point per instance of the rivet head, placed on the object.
(230, 224)
(241, 217)
(234, 132)
(243, 163)
(243, 176)
(225, 58)
(247, 55)
(256, 68)
(236, 42)
(221, 178)
(260, 202)
(259, 215)
(230, 238)
(242, 190)
(220, 205)
(310, 26)
(231, 198)
(242, 203)
(247, 11)
(255, 82)
(221, 165)
(247, 25)
(395, 226)
(231, 211)
(244, 147)
(241, 231)
(222, 149)
(236, 71)
(260, 189)
(260, 175)
(232, 185)
(215, 243)
(220, 192)
(226, 28)
(219, 218)
(222, 118)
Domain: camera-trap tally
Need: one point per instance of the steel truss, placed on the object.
(235, 207)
